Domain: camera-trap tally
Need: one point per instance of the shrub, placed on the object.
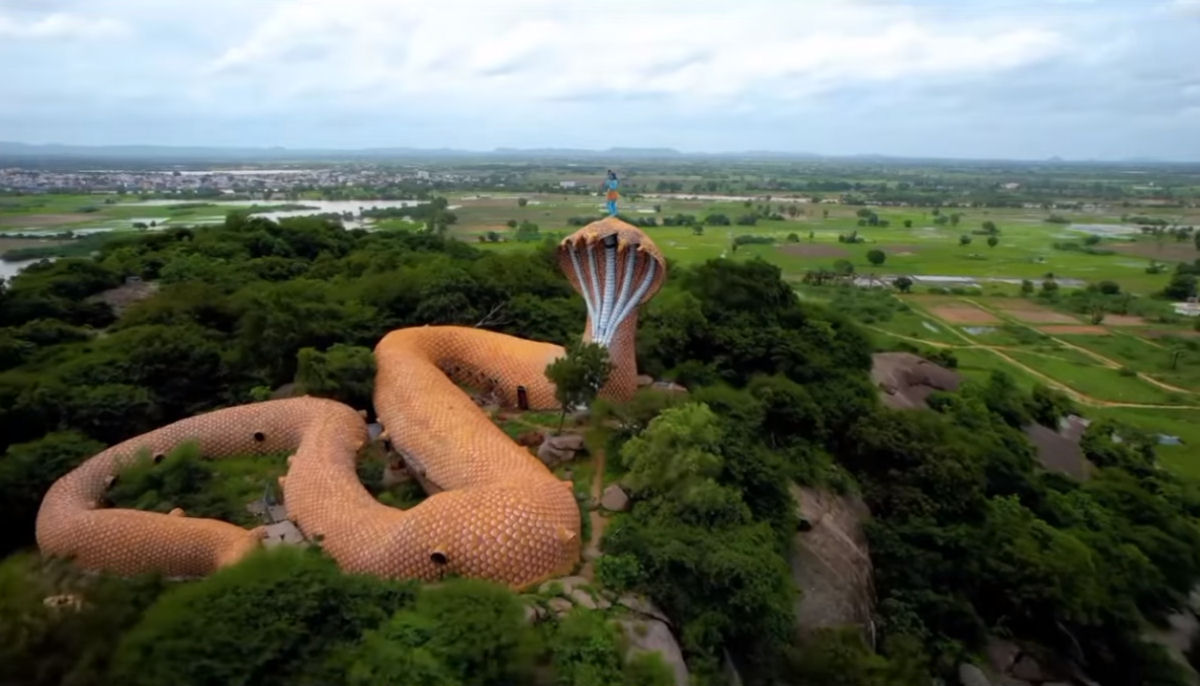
(278, 617)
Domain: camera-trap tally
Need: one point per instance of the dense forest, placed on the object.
(969, 538)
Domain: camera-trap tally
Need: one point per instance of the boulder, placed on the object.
(560, 606)
(535, 613)
(551, 456)
(1001, 654)
(558, 449)
(644, 380)
(531, 439)
(582, 598)
(970, 675)
(652, 636)
(1027, 669)
(614, 499)
(566, 441)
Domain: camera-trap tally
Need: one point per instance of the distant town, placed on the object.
(218, 181)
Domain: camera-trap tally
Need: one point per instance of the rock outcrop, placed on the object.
(645, 627)
(831, 563)
(905, 380)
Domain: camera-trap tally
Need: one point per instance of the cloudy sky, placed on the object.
(1081, 79)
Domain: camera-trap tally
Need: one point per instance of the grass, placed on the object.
(1184, 459)
(1082, 373)
(1153, 358)
(1025, 249)
(218, 488)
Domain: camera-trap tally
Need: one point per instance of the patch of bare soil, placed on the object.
(7, 244)
(963, 314)
(1035, 314)
(1124, 320)
(44, 219)
(1166, 250)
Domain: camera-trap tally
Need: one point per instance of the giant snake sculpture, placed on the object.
(494, 510)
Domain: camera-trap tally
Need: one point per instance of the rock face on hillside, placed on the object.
(831, 564)
(905, 380)
(1059, 451)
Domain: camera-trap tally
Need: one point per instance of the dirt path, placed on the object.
(1080, 397)
(592, 550)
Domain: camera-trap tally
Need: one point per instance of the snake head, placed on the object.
(616, 268)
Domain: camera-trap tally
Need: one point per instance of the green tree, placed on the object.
(60, 625)
(527, 231)
(586, 651)
(908, 223)
(989, 227)
(463, 631)
(1181, 287)
(876, 257)
(992, 241)
(1026, 287)
(522, 202)
(1048, 405)
(579, 375)
(281, 616)
(345, 373)
(964, 239)
(679, 446)
(26, 471)
(903, 284)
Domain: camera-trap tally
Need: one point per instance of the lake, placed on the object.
(10, 268)
(314, 207)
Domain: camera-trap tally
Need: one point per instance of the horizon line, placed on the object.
(67, 150)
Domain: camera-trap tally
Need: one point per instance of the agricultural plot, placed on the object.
(1176, 362)
(1032, 313)
(1083, 374)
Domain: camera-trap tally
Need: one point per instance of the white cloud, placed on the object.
(61, 25)
(1185, 7)
(550, 50)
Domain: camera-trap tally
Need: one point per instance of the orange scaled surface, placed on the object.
(494, 512)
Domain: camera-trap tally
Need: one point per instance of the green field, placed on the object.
(1025, 249)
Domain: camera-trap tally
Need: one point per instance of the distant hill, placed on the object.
(13, 153)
